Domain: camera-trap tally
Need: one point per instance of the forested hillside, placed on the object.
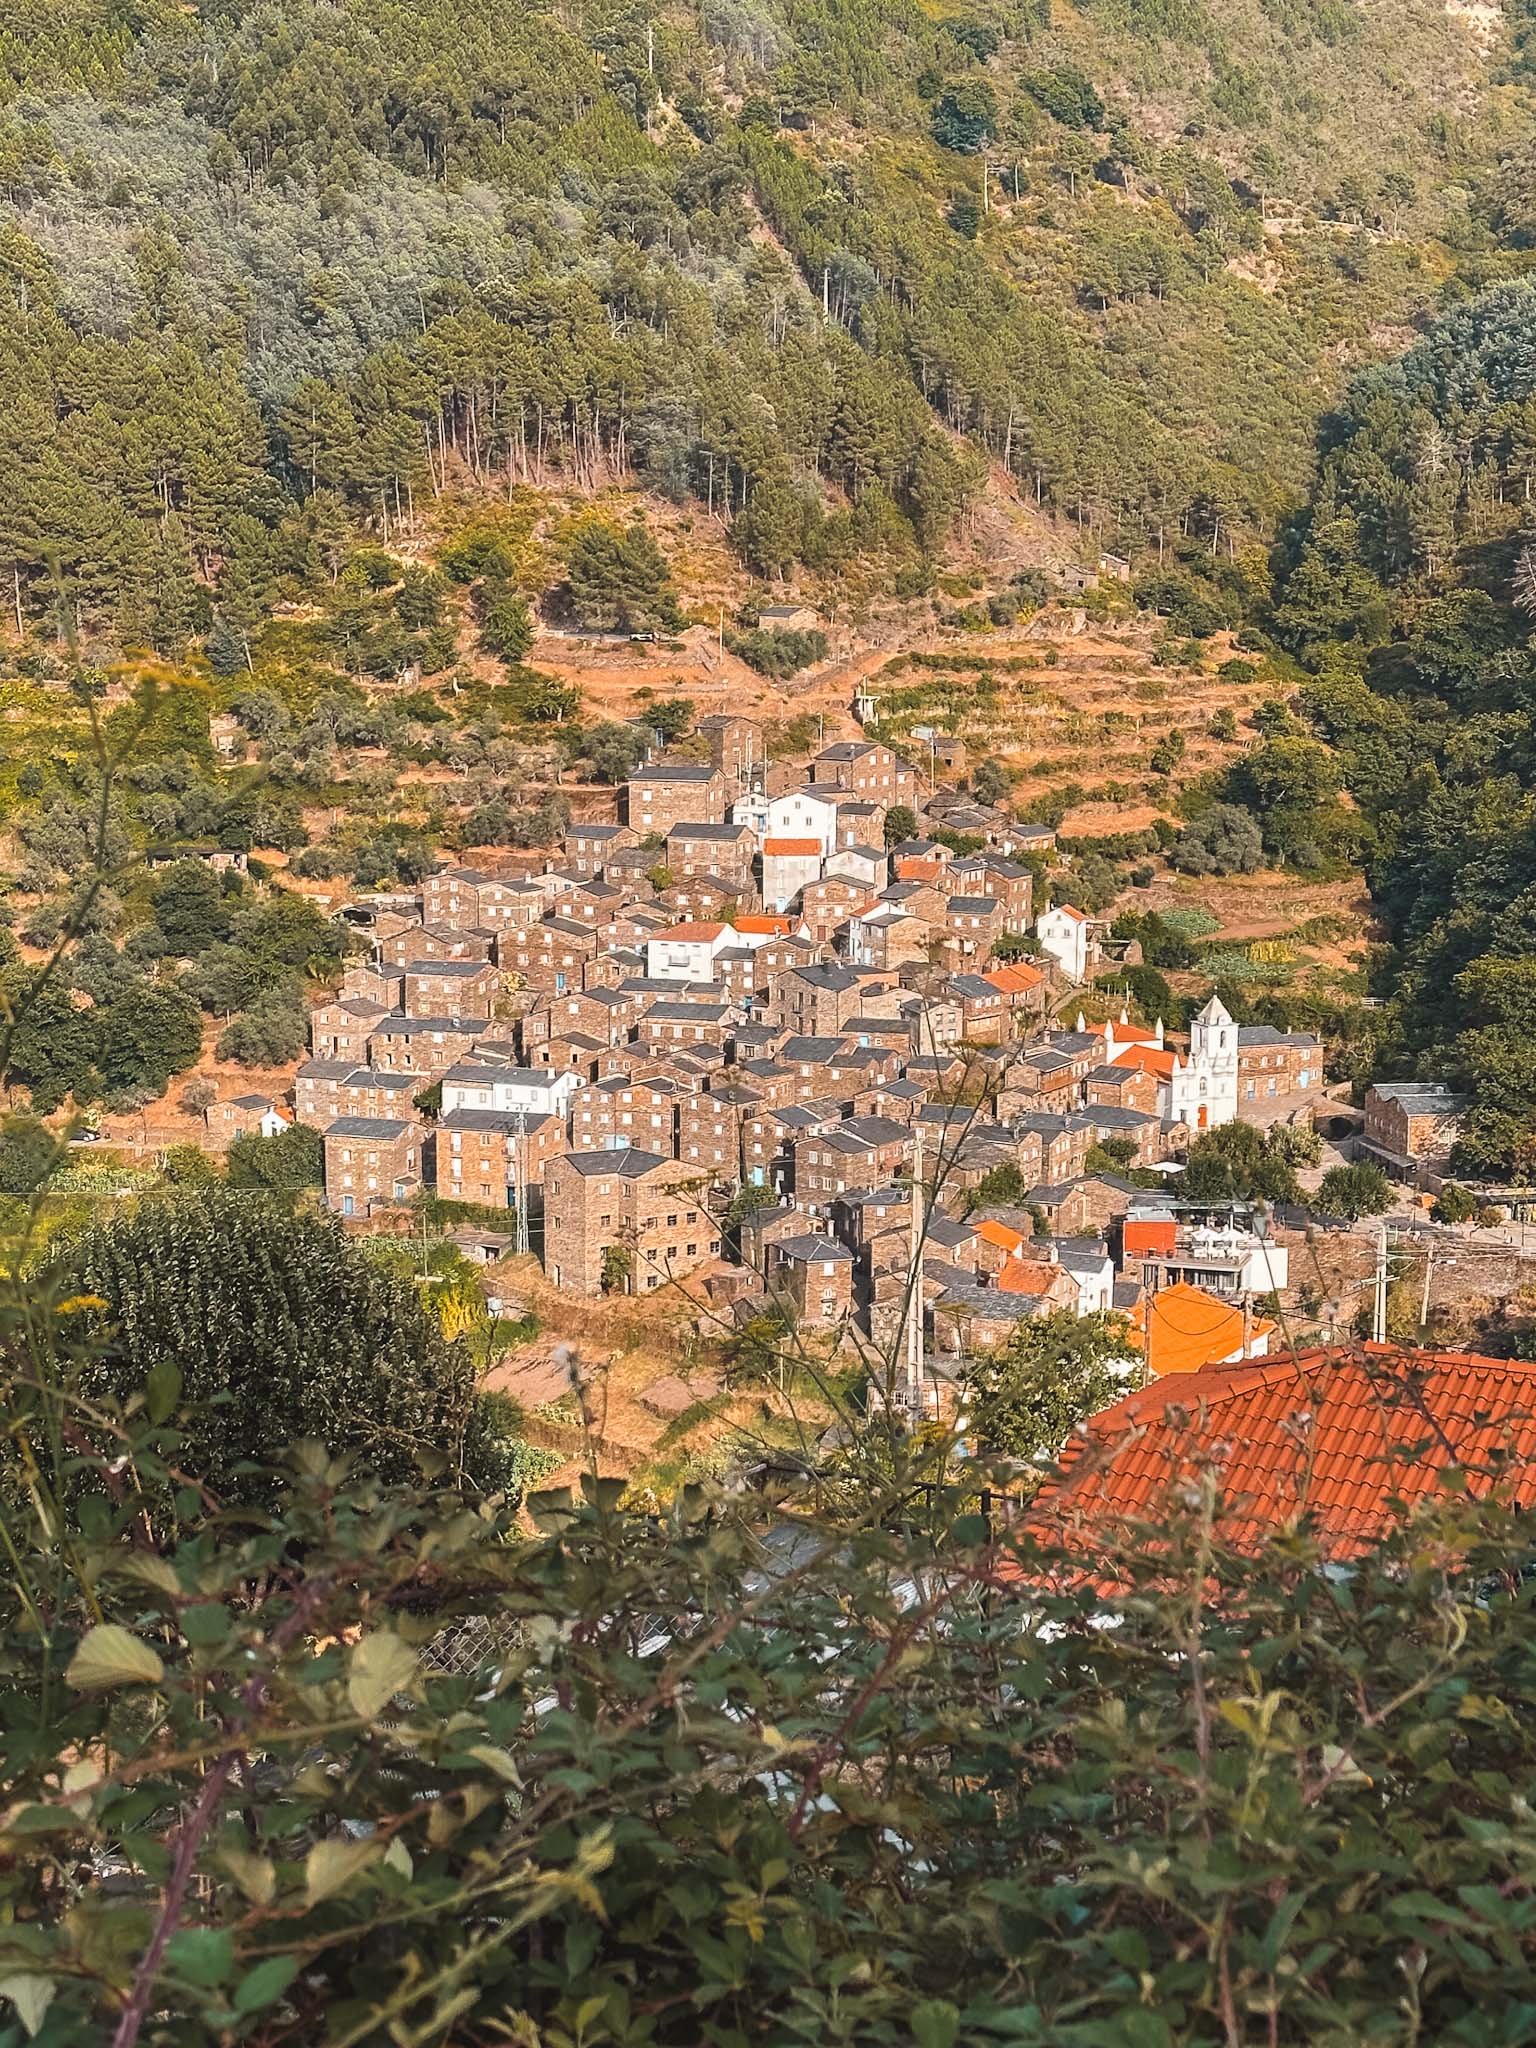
(270, 266)
(1409, 587)
(325, 328)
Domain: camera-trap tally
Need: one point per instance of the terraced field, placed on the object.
(1078, 712)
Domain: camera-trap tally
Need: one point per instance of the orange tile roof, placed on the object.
(688, 931)
(805, 846)
(1184, 1329)
(1003, 1235)
(1012, 981)
(1151, 1059)
(1026, 1276)
(759, 921)
(1338, 1435)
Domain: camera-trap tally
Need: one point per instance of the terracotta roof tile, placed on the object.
(1339, 1434)
(1150, 1059)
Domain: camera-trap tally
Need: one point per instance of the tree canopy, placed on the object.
(277, 1328)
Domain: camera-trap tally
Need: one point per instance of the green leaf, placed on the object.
(497, 1760)
(206, 1625)
(935, 2024)
(109, 1656)
(267, 1982)
(31, 1995)
(162, 1390)
(381, 1665)
(331, 1866)
(149, 1570)
(203, 1955)
(255, 1875)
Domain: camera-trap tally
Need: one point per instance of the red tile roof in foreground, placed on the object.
(1339, 1435)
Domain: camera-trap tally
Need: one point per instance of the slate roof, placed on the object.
(382, 1128)
(629, 1164)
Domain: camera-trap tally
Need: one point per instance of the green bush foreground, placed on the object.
(378, 1764)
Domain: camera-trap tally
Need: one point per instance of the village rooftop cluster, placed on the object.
(790, 1028)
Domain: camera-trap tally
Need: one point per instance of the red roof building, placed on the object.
(1345, 1437)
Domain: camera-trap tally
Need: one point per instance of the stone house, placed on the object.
(1141, 1128)
(863, 1152)
(988, 874)
(671, 1026)
(884, 937)
(711, 1128)
(488, 1155)
(341, 1030)
(699, 849)
(715, 894)
(769, 1135)
(424, 942)
(635, 1201)
(1409, 1124)
(589, 848)
(608, 1115)
(816, 1001)
(866, 770)
(965, 1318)
(425, 1046)
(317, 1090)
(667, 793)
(788, 618)
(478, 901)
(548, 958)
(321, 1094)
(831, 901)
(985, 1018)
(241, 1116)
(1271, 1063)
(813, 1277)
(735, 745)
(900, 1101)
(374, 982)
(370, 1162)
(919, 897)
(600, 1013)
(1064, 1144)
(451, 988)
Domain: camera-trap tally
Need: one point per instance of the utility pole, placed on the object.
(1379, 1312)
(1429, 1268)
(520, 1187)
(915, 1282)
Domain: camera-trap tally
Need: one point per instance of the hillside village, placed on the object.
(765, 1039)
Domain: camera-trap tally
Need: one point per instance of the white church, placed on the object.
(1198, 1088)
